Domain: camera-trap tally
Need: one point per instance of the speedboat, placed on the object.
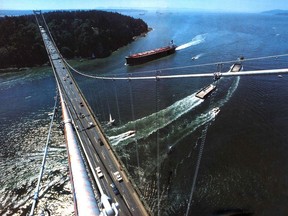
(215, 111)
(170, 149)
(131, 132)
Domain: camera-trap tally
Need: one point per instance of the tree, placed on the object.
(76, 33)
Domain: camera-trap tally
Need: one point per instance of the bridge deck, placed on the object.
(94, 143)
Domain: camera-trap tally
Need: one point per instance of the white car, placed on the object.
(90, 125)
(118, 176)
(99, 172)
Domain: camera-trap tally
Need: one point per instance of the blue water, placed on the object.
(244, 163)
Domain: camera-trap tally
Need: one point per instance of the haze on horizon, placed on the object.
(210, 5)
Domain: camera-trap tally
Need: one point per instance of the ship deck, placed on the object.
(151, 52)
(236, 67)
(204, 92)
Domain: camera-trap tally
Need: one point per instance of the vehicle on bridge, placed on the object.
(114, 188)
(100, 141)
(90, 125)
(118, 176)
(99, 172)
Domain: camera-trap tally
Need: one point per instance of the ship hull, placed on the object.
(130, 60)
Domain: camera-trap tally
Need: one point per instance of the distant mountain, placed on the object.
(276, 12)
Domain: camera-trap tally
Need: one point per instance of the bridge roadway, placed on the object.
(93, 141)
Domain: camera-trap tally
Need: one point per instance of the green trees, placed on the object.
(76, 33)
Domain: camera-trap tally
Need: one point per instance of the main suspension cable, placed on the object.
(124, 76)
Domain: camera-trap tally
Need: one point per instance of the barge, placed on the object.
(143, 57)
(237, 67)
(204, 92)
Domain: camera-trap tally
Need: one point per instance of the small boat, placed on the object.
(128, 134)
(131, 132)
(170, 149)
(215, 111)
(143, 57)
(111, 121)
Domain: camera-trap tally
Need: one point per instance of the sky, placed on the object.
(212, 5)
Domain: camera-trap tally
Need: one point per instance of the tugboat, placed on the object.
(143, 57)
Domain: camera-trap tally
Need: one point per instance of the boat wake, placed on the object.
(197, 56)
(205, 117)
(190, 127)
(179, 131)
(231, 91)
(165, 117)
(121, 137)
(195, 41)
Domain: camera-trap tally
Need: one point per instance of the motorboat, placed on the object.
(215, 111)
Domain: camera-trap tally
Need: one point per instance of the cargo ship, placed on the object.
(143, 57)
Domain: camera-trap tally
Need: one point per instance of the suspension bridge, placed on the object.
(101, 182)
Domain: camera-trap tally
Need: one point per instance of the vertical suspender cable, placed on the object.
(204, 132)
(106, 96)
(117, 103)
(133, 119)
(158, 148)
(36, 194)
(100, 104)
(203, 136)
(119, 119)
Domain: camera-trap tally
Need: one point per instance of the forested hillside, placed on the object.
(77, 34)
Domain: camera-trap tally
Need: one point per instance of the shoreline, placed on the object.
(14, 69)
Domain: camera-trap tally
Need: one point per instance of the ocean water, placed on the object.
(26, 99)
(243, 163)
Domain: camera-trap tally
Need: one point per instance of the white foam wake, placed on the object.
(197, 56)
(150, 124)
(202, 119)
(196, 40)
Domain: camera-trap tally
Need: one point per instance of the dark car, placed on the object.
(114, 188)
(100, 141)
